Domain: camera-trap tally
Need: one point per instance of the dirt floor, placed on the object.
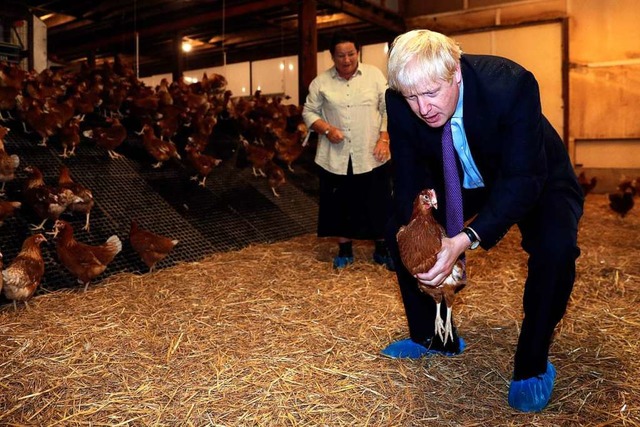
(271, 336)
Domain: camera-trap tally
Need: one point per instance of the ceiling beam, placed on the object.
(181, 24)
(369, 12)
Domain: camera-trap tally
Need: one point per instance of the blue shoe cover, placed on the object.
(342, 261)
(408, 349)
(384, 259)
(532, 394)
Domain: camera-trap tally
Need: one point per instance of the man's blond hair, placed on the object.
(420, 55)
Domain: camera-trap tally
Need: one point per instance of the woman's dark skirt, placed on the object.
(355, 206)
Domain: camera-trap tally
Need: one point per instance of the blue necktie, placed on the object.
(453, 191)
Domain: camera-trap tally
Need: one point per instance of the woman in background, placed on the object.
(346, 107)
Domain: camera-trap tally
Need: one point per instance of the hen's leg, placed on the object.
(86, 223)
(448, 327)
(439, 326)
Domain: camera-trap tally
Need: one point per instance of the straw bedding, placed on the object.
(271, 336)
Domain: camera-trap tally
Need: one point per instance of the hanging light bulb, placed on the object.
(186, 46)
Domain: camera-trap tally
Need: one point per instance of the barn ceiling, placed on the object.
(242, 29)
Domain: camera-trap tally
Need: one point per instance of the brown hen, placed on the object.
(47, 202)
(419, 243)
(8, 209)
(69, 136)
(86, 202)
(8, 163)
(258, 156)
(151, 247)
(85, 262)
(202, 163)
(157, 148)
(22, 277)
(275, 177)
(108, 138)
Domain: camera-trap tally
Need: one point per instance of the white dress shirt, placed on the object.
(356, 107)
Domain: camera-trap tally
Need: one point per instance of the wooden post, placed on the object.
(308, 49)
(178, 63)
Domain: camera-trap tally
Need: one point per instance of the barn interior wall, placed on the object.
(605, 82)
(603, 65)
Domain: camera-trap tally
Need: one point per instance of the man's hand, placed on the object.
(450, 251)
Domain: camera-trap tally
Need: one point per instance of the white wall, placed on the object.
(376, 54)
(538, 48)
(276, 75)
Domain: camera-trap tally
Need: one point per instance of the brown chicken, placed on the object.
(8, 209)
(621, 201)
(69, 135)
(84, 262)
(22, 277)
(151, 247)
(8, 163)
(587, 184)
(275, 176)
(86, 202)
(290, 145)
(109, 138)
(47, 202)
(157, 148)
(419, 243)
(202, 163)
(258, 156)
(85, 101)
(46, 124)
(8, 97)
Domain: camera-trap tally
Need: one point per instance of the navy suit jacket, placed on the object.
(515, 148)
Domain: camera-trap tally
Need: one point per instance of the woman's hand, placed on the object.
(335, 135)
(381, 151)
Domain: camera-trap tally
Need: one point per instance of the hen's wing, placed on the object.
(419, 242)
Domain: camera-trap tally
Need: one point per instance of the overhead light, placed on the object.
(186, 47)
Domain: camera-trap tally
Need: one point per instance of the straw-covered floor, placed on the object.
(271, 336)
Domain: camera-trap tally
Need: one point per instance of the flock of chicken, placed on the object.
(621, 201)
(109, 106)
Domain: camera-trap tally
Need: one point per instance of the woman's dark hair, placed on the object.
(343, 36)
